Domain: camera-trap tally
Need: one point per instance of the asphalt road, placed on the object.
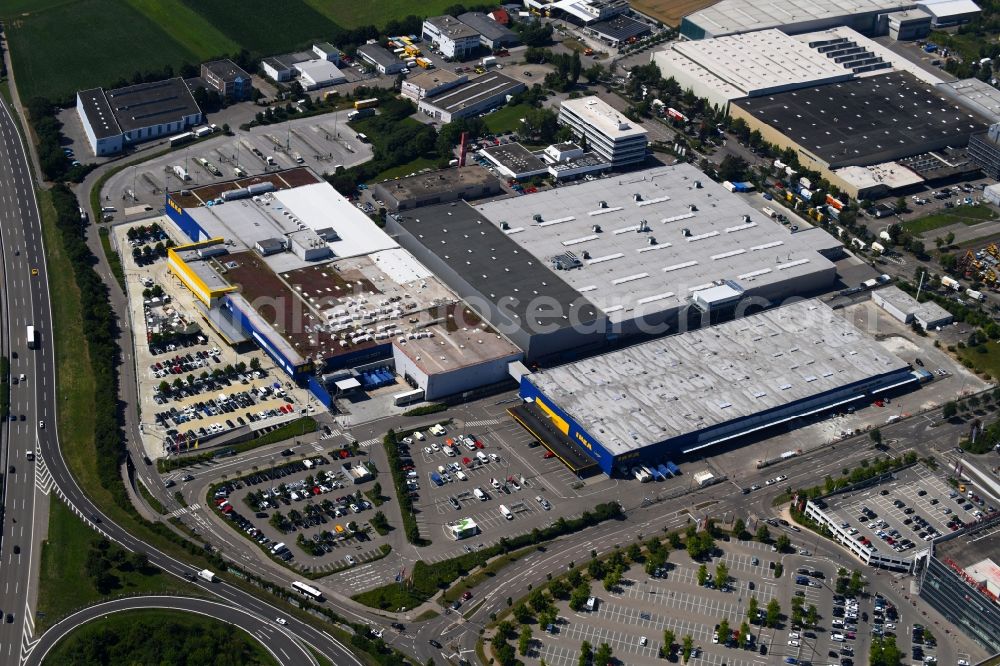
(273, 636)
(24, 302)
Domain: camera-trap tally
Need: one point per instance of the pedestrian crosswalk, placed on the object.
(369, 442)
(184, 509)
(482, 423)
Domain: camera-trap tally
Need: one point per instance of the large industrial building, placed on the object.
(755, 64)
(681, 394)
(860, 122)
(434, 187)
(471, 97)
(113, 119)
(607, 132)
(576, 266)
(454, 38)
(284, 260)
(871, 17)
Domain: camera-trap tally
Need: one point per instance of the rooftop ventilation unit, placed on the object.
(567, 261)
(652, 240)
(603, 204)
(685, 232)
(692, 208)
(596, 228)
(637, 197)
(536, 217)
(504, 226)
(697, 184)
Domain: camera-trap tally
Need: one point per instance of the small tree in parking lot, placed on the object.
(782, 543)
(752, 608)
(773, 613)
(687, 646)
(668, 642)
(812, 615)
(725, 632)
(763, 534)
(702, 574)
(741, 640)
(721, 575)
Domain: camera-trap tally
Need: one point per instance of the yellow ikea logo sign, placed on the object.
(557, 420)
(583, 440)
(173, 204)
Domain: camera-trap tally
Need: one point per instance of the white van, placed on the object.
(460, 475)
(481, 457)
(506, 513)
(480, 495)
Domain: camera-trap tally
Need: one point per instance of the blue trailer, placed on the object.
(436, 478)
(673, 468)
(657, 474)
(662, 469)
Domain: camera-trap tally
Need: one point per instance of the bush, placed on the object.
(424, 410)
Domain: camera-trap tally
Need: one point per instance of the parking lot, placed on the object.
(632, 619)
(321, 142)
(196, 391)
(309, 513)
(902, 515)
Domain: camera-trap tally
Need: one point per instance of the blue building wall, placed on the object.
(675, 446)
(263, 340)
(318, 390)
(180, 217)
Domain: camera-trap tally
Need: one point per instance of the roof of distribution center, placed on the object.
(622, 270)
(758, 60)
(734, 16)
(685, 383)
(874, 119)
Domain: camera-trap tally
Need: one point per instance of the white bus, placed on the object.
(307, 590)
(32, 339)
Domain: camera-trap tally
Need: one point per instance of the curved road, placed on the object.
(275, 639)
(26, 300)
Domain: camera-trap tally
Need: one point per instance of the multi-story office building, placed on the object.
(606, 131)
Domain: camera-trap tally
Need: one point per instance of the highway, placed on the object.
(273, 636)
(26, 300)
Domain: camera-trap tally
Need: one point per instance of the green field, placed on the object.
(987, 360)
(86, 44)
(267, 27)
(506, 119)
(377, 12)
(65, 585)
(968, 215)
(61, 46)
(159, 637)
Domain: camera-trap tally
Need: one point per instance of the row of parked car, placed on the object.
(184, 363)
(222, 504)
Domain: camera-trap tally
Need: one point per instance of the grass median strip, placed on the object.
(114, 259)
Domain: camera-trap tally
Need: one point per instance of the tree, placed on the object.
(857, 584)
(634, 552)
(773, 613)
(668, 642)
(752, 609)
(725, 632)
(740, 529)
(538, 600)
(702, 574)
(559, 588)
(721, 575)
(524, 641)
(741, 640)
(876, 436)
(782, 543)
(812, 615)
(763, 534)
(687, 646)
(901, 205)
(579, 596)
(377, 490)
(603, 655)
(950, 410)
(586, 654)
(733, 168)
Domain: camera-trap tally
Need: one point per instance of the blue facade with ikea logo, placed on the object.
(182, 219)
(690, 442)
(590, 444)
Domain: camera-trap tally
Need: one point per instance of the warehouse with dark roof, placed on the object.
(863, 121)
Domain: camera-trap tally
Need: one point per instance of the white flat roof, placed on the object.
(976, 95)
(890, 174)
(320, 71)
(941, 8)
(604, 117)
(897, 61)
(319, 206)
(758, 61)
(625, 275)
(685, 383)
(735, 16)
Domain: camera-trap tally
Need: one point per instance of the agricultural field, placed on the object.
(103, 39)
(670, 11)
(264, 27)
(378, 12)
(186, 26)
